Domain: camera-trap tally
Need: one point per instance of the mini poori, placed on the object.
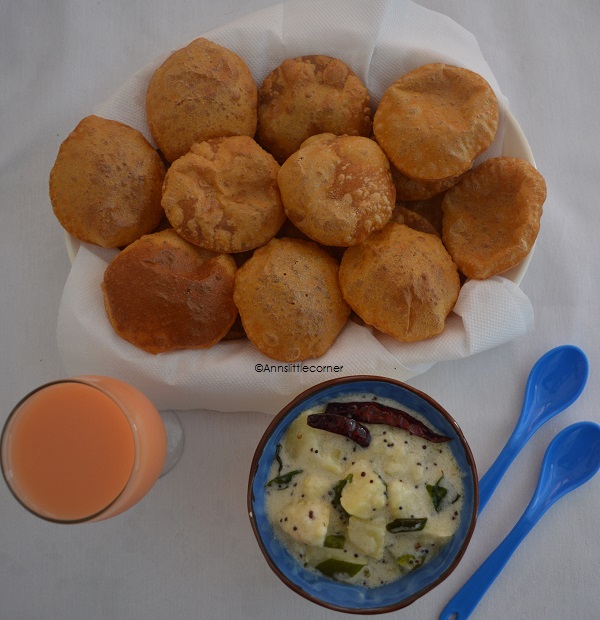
(105, 185)
(285, 211)
(306, 96)
(223, 195)
(201, 91)
(162, 293)
(337, 189)
(435, 120)
(289, 300)
(491, 219)
(401, 281)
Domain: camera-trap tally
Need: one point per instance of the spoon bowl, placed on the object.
(572, 458)
(554, 384)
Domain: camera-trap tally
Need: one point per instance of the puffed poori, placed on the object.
(337, 189)
(291, 208)
(435, 120)
(306, 96)
(401, 281)
(289, 300)
(162, 293)
(201, 91)
(492, 217)
(105, 185)
(223, 195)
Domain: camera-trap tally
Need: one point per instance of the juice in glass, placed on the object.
(82, 449)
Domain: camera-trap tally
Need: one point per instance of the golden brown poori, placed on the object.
(337, 189)
(289, 300)
(492, 217)
(105, 185)
(162, 293)
(374, 221)
(306, 96)
(401, 281)
(435, 120)
(201, 91)
(223, 195)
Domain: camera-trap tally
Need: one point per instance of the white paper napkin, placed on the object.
(380, 40)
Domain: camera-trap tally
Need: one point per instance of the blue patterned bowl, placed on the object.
(341, 596)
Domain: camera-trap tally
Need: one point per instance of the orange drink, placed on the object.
(82, 449)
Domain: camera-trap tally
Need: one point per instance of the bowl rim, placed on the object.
(282, 415)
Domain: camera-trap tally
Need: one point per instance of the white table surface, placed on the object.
(187, 550)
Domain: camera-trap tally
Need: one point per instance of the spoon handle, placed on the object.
(493, 476)
(463, 603)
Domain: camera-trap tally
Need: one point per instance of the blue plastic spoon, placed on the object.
(555, 382)
(571, 459)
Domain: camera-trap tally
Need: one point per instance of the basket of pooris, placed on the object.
(278, 211)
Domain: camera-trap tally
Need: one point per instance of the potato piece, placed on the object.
(319, 448)
(306, 520)
(367, 535)
(315, 485)
(439, 529)
(406, 502)
(364, 495)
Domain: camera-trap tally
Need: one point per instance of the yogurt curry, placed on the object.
(363, 491)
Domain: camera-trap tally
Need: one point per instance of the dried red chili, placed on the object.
(377, 413)
(341, 425)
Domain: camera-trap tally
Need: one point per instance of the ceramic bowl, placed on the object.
(323, 590)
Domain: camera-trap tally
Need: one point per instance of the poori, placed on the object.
(435, 120)
(401, 281)
(306, 96)
(289, 300)
(289, 208)
(162, 293)
(492, 217)
(105, 185)
(337, 189)
(201, 91)
(223, 195)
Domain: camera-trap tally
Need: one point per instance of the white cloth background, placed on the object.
(187, 551)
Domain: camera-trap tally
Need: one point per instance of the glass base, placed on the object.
(175, 440)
